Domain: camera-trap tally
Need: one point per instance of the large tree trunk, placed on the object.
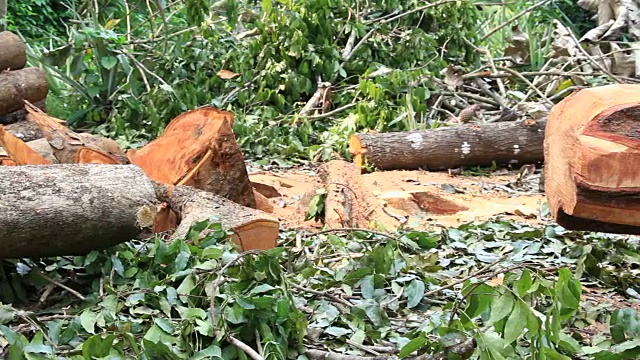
(13, 52)
(450, 147)
(71, 209)
(592, 153)
(16, 86)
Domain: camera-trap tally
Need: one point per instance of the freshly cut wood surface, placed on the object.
(18, 151)
(592, 153)
(16, 86)
(444, 148)
(198, 148)
(13, 52)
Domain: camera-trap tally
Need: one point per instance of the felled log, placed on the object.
(450, 147)
(198, 148)
(72, 209)
(592, 149)
(16, 86)
(71, 147)
(348, 203)
(13, 52)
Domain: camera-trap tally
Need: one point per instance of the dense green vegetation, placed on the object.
(125, 69)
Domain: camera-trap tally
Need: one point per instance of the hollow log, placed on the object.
(13, 52)
(592, 149)
(450, 147)
(348, 203)
(16, 86)
(71, 209)
(198, 149)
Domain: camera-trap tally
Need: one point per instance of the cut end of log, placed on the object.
(257, 235)
(355, 148)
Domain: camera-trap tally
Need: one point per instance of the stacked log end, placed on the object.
(18, 83)
(592, 153)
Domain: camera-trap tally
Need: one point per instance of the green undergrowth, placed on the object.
(520, 292)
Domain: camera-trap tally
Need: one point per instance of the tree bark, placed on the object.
(13, 52)
(71, 209)
(450, 147)
(16, 86)
(348, 202)
(592, 148)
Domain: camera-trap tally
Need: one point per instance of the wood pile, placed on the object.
(70, 193)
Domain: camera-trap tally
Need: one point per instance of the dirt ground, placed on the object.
(424, 200)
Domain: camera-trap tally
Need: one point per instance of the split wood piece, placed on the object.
(262, 202)
(21, 114)
(252, 229)
(198, 148)
(72, 209)
(18, 151)
(5, 160)
(71, 147)
(266, 190)
(16, 86)
(592, 153)
(450, 147)
(415, 202)
(348, 202)
(41, 146)
(13, 52)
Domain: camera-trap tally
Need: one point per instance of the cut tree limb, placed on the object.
(25, 84)
(348, 202)
(252, 229)
(71, 209)
(13, 52)
(592, 148)
(444, 148)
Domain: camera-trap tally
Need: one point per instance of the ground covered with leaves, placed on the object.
(489, 290)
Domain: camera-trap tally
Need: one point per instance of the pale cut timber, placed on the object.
(514, 143)
(25, 84)
(252, 229)
(13, 52)
(592, 154)
(198, 149)
(348, 202)
(72, 209)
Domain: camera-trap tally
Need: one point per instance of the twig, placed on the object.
(244, 347)
(508, 22)
(326, 231)
(460, 281)
(323, 294)
(332, 112)
(60, 285)
(475, 97)
(526, 81)
(463, 350)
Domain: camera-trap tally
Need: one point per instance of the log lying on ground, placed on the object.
(71, 147)
(72, 209)
(198, 148)
(26, 84)
(13, 52)
(450, 147)
(592, 149)
(348, 202)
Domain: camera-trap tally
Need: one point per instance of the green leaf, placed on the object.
(414, 292)
(187, 285)
(501, 307)
(267, 6)
(480, 299)
(164, 324)
(7, 314)
(108, 62)
(411, 346)
(337, 331)
(516, 322)
(524, 283)
(88, 321)
(367, 287)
